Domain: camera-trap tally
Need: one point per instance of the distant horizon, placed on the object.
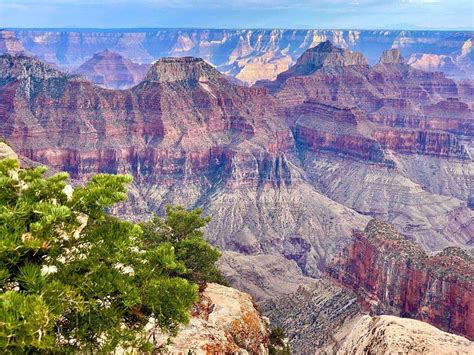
(428, 15)
(70, 28)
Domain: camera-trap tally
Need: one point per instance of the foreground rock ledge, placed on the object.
(223, 321)
(394, 335)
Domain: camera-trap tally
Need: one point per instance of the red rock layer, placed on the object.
(354, 145)
(185, 118)
(438, 143)
(333, 86)
(395, 276)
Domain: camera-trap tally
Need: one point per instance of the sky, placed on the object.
(298, 14)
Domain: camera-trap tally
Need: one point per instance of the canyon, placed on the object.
(246, 54)
(291, 171)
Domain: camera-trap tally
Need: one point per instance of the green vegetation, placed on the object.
(73, 278)
(278, 346)
(183, 230)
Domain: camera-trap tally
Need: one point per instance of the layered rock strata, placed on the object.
(393, 275)
(248, 54)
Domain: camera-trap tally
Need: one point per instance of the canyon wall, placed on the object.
(393, 275)
(286, 169)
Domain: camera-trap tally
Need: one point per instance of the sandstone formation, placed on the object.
(384, 114)
(249, 55)
(442, 63)
(393, 335)
(286, 169)
(111, 70)
(223, 321)
(393, 275)
(457, 64)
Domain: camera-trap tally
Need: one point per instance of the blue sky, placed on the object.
(359, 14)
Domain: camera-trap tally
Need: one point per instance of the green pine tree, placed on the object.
(73, 278)
(183, 229)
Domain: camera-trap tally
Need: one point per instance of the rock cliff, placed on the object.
(383, 114)
(286, 174)
(198, 141)
(393, 275)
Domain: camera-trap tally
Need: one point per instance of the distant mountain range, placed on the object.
(248, 55)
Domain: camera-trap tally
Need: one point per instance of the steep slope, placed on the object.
(111, 70)
(393, 335)
(393, 275)
(316, 318)
(264, 276)
(248, 54)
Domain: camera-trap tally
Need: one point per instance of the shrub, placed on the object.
(278, 345)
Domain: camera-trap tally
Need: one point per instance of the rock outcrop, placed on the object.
(112, 70)
(324, 55)
(393, 275)
(393, 335)
(6, 152)
(224, 321)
